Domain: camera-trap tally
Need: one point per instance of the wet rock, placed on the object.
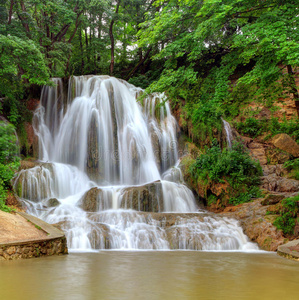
(52, 202)
(148, 197)
(286, 143)
(279, 184)
(184, 238)
(90, 201)
(99, 237)
(272, 199)
(32, 183)
(156, 146)
(256, 224)
(170, 219)
(25, 164)
(93, 168)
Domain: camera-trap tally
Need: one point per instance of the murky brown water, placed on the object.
(151, 275)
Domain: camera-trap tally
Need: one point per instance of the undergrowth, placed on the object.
(232, 167)
(287, 215)
(254, 127)
(9, 160)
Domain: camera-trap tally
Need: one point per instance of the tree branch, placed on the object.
(12, 3)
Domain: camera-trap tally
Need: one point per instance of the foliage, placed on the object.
(290, 127)
(292, 164)
(139, 81)
(293, 167)
(233, 166)
(254, 127)
(3, 194)
(21, 64)
(220, 54)
(287, 215)
(251, 127)
(9, 160)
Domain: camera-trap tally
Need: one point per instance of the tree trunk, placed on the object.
(112, 40)
(12, 3)
(141, 61)
(81, 50)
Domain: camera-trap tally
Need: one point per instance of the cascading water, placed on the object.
(109, 176)
(228, 133)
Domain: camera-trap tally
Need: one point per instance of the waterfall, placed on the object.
(108, 172)
(228, 132)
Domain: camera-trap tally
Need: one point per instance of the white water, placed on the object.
(105, 157)
(228, 133)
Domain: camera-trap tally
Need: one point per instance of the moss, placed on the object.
(38, 227)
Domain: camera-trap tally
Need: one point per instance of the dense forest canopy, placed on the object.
(191, 49)
(191, 40)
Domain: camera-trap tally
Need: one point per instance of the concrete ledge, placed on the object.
(53, 244)
(289, 250)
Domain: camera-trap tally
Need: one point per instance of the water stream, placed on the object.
(228, 133)
(109, 176)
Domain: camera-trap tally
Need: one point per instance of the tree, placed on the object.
(9, 160)
(203, 43)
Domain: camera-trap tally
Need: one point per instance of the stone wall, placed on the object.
(11, 251)
(23, 242)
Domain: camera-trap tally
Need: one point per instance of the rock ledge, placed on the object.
(289, 250)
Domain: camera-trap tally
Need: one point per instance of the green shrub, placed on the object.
(252, 127)
(287, 218)
(233, 166)
(9, 160)
(290, 127)
(293, 167)
(140, 81)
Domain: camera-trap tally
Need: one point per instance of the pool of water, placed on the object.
(151, 275)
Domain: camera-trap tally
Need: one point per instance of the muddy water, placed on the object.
(151, 275)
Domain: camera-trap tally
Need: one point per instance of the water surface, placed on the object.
(151, 275)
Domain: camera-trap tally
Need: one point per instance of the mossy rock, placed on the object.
(272, 199)
(52, 202)
(147, 198)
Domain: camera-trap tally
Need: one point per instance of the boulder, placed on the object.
(148, 197)
(52, 202)
(279, 184)
(286, 143)
(31, 182)
(272, 199)
(156, 145)
(99, 237)
(91, 200)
